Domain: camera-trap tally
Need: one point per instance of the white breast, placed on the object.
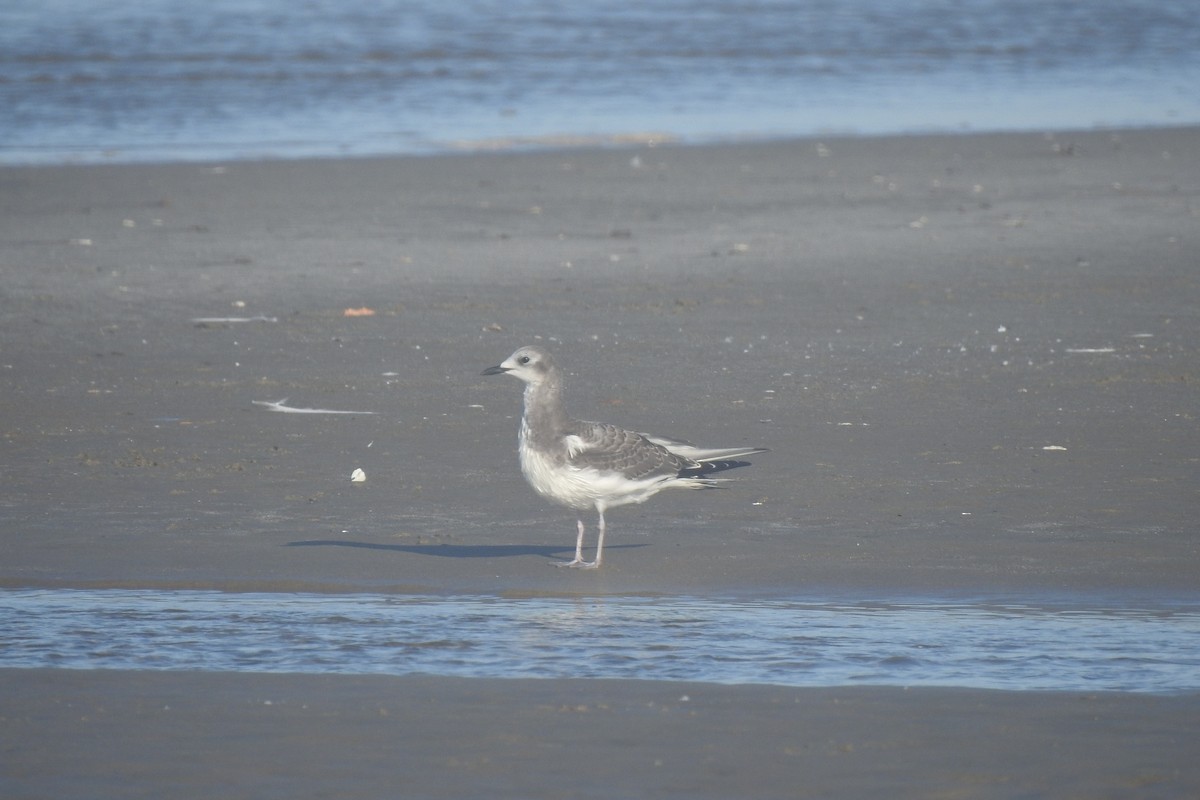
(552, 478)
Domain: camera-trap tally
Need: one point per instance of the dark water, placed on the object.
(1076, 646)
(175, 79)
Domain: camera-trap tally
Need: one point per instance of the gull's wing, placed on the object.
(608, 448)
(691, 452)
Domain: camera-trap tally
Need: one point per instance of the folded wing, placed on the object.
(609, 448)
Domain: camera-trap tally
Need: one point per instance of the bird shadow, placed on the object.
(457, 550)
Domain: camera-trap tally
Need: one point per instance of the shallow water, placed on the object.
(1071, 646)
(125, 80)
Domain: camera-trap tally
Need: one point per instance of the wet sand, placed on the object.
(974, 358)
(154, 735)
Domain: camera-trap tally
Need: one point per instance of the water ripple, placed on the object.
(156, 79)
(792, 642)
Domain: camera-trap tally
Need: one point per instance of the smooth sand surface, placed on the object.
(976, 360)
(165, 735)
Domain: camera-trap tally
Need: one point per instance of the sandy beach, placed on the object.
(974, 358)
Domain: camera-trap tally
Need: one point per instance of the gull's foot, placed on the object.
(577, 564)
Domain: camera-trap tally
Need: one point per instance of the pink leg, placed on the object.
(599, 543)
(578, 560)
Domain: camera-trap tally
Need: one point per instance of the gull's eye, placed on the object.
(523, 359)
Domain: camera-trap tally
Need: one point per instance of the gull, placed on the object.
(585, 465)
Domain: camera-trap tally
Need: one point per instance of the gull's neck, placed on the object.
(545, 419)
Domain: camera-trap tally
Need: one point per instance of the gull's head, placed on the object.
(530, 364)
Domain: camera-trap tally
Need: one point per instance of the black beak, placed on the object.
(494, 371)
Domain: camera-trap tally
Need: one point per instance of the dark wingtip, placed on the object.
(709, 467)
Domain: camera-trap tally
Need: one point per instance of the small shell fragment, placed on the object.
(358, 476)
